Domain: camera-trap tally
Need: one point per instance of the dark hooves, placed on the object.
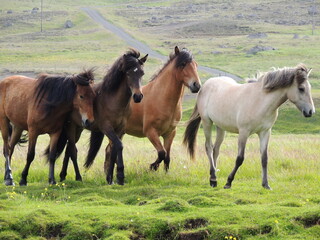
(52, 182)
(120, 182)
(9, 182)
(213, 183)
(79, 179)
(267, 187)
(154, 166)
(23, 182)
(227, 186)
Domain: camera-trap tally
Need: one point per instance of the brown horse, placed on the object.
(41, 106)
(160, 111)
(111, 110)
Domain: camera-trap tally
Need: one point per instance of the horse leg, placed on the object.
(15, 137)
(54, 137)
(167, 142)
(30, 156)
(207, 128)
(107, 158)
(64, 168)
(4, 125)
(71, 152)
(220, 134)
(153, 136)
(116, 157)
(242, 140)
(264, 140)
(112, 162)
(74, 158)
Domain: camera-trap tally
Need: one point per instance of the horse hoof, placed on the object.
(213, 183)
(79, 179)
(9, 182)
(62, 179)
(154, 166)
(120, 182)
(52, 182)
(267, 187)
(227, 186)
(23, 182)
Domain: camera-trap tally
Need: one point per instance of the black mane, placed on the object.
(119, 68)
(52, 90)
(182, 59)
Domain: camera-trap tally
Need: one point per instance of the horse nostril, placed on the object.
(87, 123)
(310, 112)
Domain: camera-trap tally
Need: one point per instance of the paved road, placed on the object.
(97, 17)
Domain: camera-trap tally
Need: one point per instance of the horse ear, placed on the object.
(309, 71)
(176, 50)
(143, 59)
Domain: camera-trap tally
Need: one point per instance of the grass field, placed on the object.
(178, 204)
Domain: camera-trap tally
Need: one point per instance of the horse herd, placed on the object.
(62, 106)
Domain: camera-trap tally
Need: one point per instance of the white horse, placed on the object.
(246, 109)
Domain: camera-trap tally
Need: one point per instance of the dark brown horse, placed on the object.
(111, 110)
(160, 111)
(41, 106)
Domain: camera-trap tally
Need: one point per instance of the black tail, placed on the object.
(191, 131)
(23, 139)
(62, 142)
(96, 139)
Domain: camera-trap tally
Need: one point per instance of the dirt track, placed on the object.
(97, 17)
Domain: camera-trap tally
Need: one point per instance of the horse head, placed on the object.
(187, 69)
(299, 92)
(84, 97)
(132, 66)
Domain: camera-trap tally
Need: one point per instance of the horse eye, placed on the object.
(301, 90)
(81, 97)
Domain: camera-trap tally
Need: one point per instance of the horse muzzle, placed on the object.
(86, 123)
(307, 113)
(137, 97)
(195, 87)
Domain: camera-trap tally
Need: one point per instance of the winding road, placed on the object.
(97, 17)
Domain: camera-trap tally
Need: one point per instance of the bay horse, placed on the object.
(111, 110)
(41, 106)
(246, 109)
(160, 111)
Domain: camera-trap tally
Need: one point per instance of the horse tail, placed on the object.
(96, 139)
(190, 134)
(62, 142)
(23, 139)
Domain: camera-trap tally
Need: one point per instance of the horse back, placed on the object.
(16, 94)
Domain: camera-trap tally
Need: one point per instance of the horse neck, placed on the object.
(120, 96)
(275, 98)
(168, 86)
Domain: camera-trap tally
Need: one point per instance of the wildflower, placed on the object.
(138, 199)
(42, 194)
(25, 192)
(69, 197)
(46, 189)
(63, 184)
(307, 200)
(276, 221)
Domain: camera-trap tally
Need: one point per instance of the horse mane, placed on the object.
(282, 77)
(183, 58)
(56, 89)
(115, 74)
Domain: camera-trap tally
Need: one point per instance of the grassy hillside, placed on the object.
(179, 204)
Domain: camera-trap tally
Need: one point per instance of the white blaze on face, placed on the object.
(135, 70)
